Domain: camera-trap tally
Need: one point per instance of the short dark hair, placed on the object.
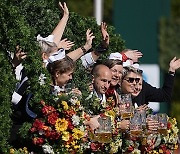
(112, 62)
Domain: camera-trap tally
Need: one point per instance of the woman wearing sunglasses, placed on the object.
(129, 80)
(145, 93)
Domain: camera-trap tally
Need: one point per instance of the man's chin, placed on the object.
(103, 92)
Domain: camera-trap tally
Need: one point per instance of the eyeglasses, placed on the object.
(131, 80)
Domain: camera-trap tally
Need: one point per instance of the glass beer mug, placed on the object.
(136, 125)
(126, 108)
(104, 133)
(162, 120)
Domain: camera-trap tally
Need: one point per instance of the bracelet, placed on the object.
(171, 73)
(83, 49)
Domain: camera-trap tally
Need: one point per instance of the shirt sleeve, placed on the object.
(87, 60)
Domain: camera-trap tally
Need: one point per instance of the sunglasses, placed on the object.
(131, 80)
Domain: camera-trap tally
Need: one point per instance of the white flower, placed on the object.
(75, 120)
(41, 132)
(173, 139)
(73, 100)
(41, 79)
(136, 151)
(81, 108)
(82, 128)
(47, 149)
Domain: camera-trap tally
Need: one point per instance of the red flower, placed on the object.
(70, 125)
(52, 135)
(52, 118)
(130, 148)
(95, 146)
(169, 125)
(38, 141)
(38, 125)
(47, 110)
(163, 147)
(69, 113)
(168, 151)
(110, 92)
(33, 129)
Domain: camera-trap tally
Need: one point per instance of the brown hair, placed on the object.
(112, 62)
(64, 65)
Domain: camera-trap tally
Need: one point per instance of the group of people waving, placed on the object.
(118, 74)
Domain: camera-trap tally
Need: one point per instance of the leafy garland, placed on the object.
(22, 21)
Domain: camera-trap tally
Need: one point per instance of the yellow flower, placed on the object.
(76, 147)
(155, 152)
(73, 143)
(78, 102)
(65, 105)
(77, 134)
(12, 151)
(110, 113)
(61, 125)
(175, 129)
(160, 151)
(174, 122)
(67, 146)
(65, 136)
(114, 149)
(176, 147)
(25, 150)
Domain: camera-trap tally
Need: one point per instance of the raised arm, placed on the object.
(65, 44)
(174, 65)
(134, 55)
(76, 54)
(164, 94)
(104, 44)
(59, 29)
(18, 56)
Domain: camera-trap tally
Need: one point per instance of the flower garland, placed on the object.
(60, 128)
(62, 124)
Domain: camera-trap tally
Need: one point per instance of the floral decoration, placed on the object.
(60, 128)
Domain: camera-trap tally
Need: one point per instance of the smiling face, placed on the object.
(116, 74)
(129, 82)
(138, 87)
(102, 79)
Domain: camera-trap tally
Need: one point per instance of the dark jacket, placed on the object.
(153, 94)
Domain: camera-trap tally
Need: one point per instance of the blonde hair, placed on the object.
(46, 46)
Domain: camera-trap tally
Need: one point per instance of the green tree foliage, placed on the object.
(21, 21)
(169, 41)
(86, 8)
(170, 47)
(175, 8)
